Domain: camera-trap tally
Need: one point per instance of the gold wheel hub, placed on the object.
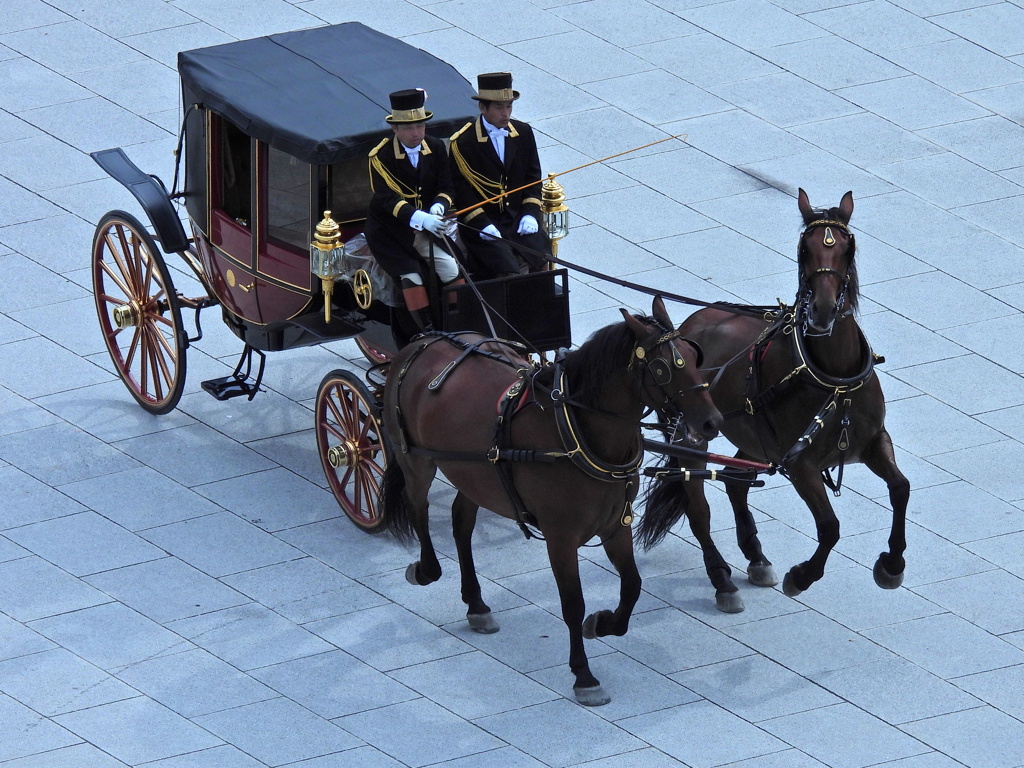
(127, 315)
(345, 454)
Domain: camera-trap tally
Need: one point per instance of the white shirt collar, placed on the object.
(493, 130)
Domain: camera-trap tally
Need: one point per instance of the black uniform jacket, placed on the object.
(480, 175)
(398, 191)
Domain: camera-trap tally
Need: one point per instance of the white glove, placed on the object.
(417, 219)
(423, 220)
(490, 232)
(435, 225)
(527, 225)
(437, 209)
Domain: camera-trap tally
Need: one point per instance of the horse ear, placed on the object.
(660, 313)
(805, 207)
(846, 207)
(639, 329)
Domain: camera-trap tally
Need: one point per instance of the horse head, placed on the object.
(667, 366)
(828, 275)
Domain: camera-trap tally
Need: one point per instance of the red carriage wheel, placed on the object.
(138, 312)
(352, 446)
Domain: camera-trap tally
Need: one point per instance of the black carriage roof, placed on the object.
(321, 94)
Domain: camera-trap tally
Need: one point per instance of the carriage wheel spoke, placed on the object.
(118, 277)
(133, 347)
(161, 353)
(121, 257)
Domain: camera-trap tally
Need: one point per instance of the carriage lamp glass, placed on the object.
(556, 213)
(326, 254)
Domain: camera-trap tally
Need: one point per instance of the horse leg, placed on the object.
(727, 595)
(759, 568)
(427, 569)
(619, 548)
(463, 522)
(806, 478)
(565, 566)
(880, 459)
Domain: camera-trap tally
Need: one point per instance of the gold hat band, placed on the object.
(504, 94)
(408, 115)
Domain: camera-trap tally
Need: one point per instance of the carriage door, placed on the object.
(284, 189)
(232, 169)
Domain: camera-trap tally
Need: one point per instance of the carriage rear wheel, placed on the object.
(352, 446)
(138, 312)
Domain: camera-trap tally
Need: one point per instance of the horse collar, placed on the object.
(576, 447)
(820, 377)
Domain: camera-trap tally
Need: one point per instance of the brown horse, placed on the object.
(558, 454)
(797, 388)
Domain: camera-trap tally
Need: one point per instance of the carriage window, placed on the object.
(288, 184)
(235, 173)
(350, 190)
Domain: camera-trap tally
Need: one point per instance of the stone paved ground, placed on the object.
(183, 591)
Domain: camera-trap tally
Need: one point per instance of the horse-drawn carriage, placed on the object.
(276, 133)
(275, 136)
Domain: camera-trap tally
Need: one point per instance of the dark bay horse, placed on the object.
(555, 448)
(797, 388)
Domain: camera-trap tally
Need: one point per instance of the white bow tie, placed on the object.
(496, 132)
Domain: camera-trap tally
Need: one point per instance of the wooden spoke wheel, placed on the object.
(352, 446)
(138, 312)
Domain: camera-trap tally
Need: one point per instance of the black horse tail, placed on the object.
(665, 504)
(395, 512)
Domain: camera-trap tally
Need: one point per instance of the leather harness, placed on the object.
(519, 395)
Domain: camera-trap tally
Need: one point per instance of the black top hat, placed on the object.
(407, 106)
(495, 86)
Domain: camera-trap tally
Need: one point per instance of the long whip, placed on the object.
(562, 173)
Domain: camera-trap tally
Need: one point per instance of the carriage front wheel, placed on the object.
(352, 447)
(138, 311)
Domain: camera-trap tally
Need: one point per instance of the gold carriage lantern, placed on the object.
(556, 212)
(326, 254)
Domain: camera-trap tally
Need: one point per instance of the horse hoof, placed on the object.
(592, 697)
(762, 575)
(729, 602)
(589, 633)
(789, 587)
(883, 578)
(410, 574)
(483, 623)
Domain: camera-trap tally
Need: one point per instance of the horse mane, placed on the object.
(589, 368)
(853, 286)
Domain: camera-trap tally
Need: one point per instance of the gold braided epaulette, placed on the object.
(459, 132)
(375, 150)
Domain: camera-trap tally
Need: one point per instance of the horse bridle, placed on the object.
(661, 370)
(804, 294)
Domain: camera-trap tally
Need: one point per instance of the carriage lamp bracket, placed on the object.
(326, 257)
(556, 212)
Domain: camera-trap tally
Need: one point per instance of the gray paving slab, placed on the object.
(966, 736)
(181, 591)
(110, 635)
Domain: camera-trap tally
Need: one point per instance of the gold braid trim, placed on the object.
(407, 192)
(480, 183)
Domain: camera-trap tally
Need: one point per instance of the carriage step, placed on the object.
(239, 382)
(227, 387)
